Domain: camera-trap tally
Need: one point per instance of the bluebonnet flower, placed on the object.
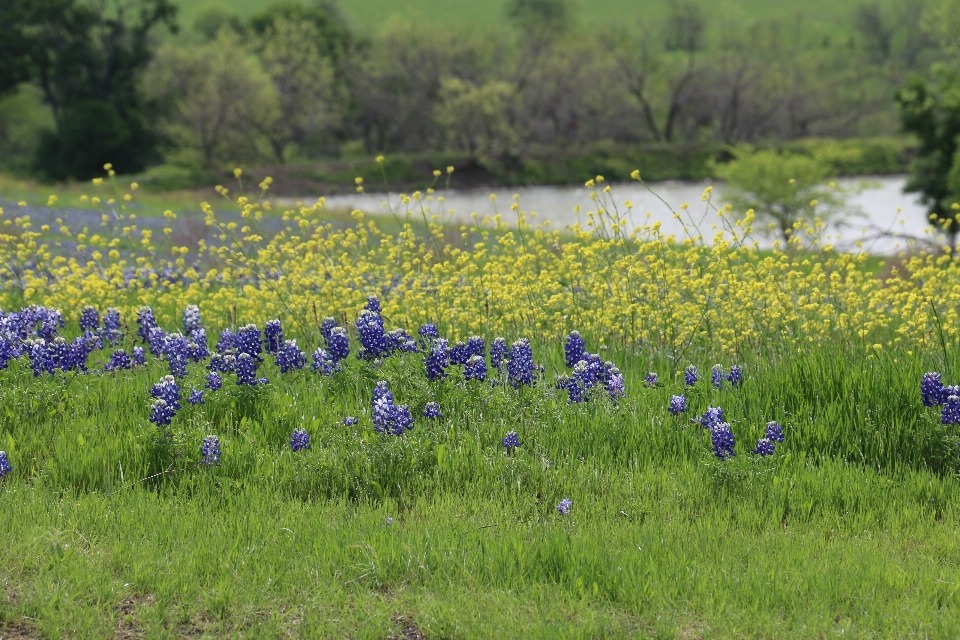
(951, 411)
(139, 356)
(146, 322)
(765, 447)
(111, 326)
(716, 376)
(119, 360)
(290, 358)
(691, 375)
(218, 363)
(191, 319)
(246, 370)
(432, 411)
(723, 441)
(227, 341)
(476, 347)
(372, 338)
(161, 413)
(614, 385)
(167, 390)
(712, 417)
(383, 406)
(574, 349)
(774, 432)
(931, 389)
(263, 381)
(520, 363)
(155, 340)
(678, 404)
(650, 380)
(402, 419)
(349, 421)
(210, 451)
(89, 319)
(338, 345)
(575, 389)
(326, 327)
(5, 466)
(299, 440)
(511, 440)
(196, 396)
(398, 341)
(41, 356)
(475, 369)
(498, 353)
(8, 352)
(428, 333)
(176, 349)
(435, 360)
(75, 355)
(373, 305)
(458, 353)
(564, 507)
(248, 341)
(323, 363)
(273, 334)
(735, 377)
(198, 349)
(214, 381)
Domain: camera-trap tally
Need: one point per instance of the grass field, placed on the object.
(369, 15)
(117, 524)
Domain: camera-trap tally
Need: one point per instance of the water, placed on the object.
(880, 216)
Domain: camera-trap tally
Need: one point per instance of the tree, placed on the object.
(542, 16)
(780, 187)
(87, 59)
(331, 36)
(931, 111)
(478, 119)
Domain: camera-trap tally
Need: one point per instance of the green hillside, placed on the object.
(368, 15)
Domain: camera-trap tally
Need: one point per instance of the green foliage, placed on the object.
(541, 15)
(785, 189)
(478, 120)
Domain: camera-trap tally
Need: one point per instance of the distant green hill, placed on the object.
(828, 16)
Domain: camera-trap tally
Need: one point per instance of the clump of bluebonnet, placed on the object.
(428, 333)
(326, 327)
(198, 348)
(382, 405)
(350, 421)
(511, 440)
(399, 342)
(436, 359)
(651, 380)
(41, 356)
(373, 304)
(712, 417)
(564, 507)
(475, 369)
(691, 375)
(111, 326)
(723, 441)
(765, 447)
(210, 451)
(735, 377)
(227, 341)
(373, 340)
(273, 335)
(432, 411)
(161, 413)
(458, 353)
(167, 390)
(678, 404)
(139, 357)
(402, 419)
(520, 363)
(932, 389)
(574, 388)
(338, 345)
(614, 384)
(5, 466)
(323, 363)
(214, 381)
(299, 440)
(176, 350)
(246, 370)
(716, 376)
(89, 319)
(118, 360)
(475, 347)
(248, 341)
(290, 358)
(951, 410)
(498, 353)
(155, 340)
(196, 397)
(191, 319)
(573, 349)
(774, 432)
(146, 322)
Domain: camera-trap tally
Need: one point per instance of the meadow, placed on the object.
(295, 478)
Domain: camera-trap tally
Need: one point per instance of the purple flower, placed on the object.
(511, 440)
(564, 507)
(290, 358)
(735, 377)
(951, 410)
(520, 363)
(155, 339)
(214, 381)
(248, 341)
(326, 327)
(139, 356)
(458, 353)
(435, 360)
(89, 319)
(765, 447)
(196, 396)
(678, 404)
(402, 419)
(111, 326)
(650, 380)
(475, 369)
(228, 340)
(373, 305)
(691, 375)
(299, 440)
(774, 432)
(716, 376)
(614, 385)
(197, 348)
(338, 345)
(167, 390)
(191, 319)
(323, 363)
(176, 350)
(210, 451)
(723, 441)
(349, 421)
(273, 333)
(372, 338)
(146, 322)
(383, 406)
(119, 360)
(399, 342)
(932, 389)
(712, 417)
(161, 413)
(475, 347)
(574, 349)
(498, 353)
(246, 370)
(432, 411)
(5, 466)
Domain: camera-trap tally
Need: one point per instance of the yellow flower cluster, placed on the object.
(636, 287)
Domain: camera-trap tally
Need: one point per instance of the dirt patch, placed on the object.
(21, 630)
(407, 629)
